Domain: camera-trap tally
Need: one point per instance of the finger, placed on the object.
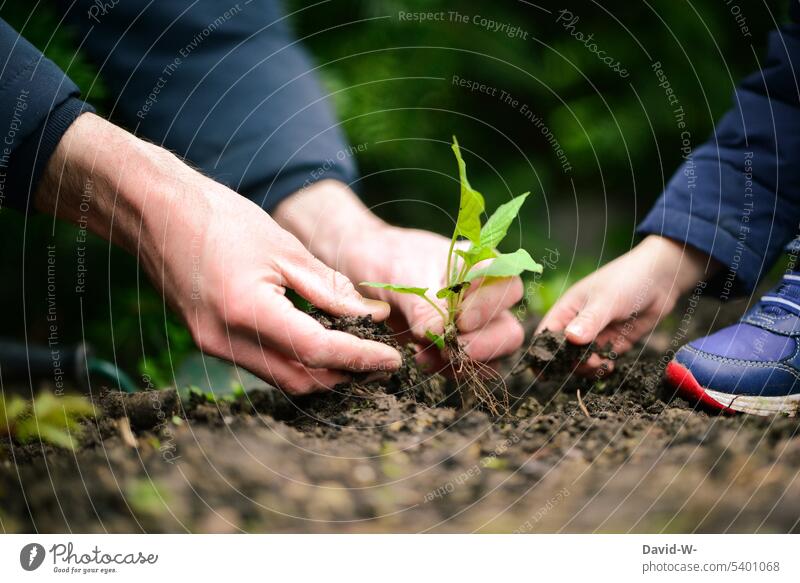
(590, 321)
(298, 336)
(421, 316)
(562, 313)
(296, 379)
(595, 366)
(621, 337)
(430, 359)
(328, 289)
(485, 299)
(500, 337)
(617, 339)
(288, 375)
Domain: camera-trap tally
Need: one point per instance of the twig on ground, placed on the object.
(582, 405)
(124, 427)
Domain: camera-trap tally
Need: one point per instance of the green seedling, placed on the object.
(236, 393)
(48, 418)
(147, 497)
(464, 267)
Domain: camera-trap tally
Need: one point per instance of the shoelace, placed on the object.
(785, 298)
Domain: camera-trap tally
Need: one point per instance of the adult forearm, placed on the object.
(115, 185)
(221, 262)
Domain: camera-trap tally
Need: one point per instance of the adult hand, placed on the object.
(221, 262)
(625, 299)
(339, 229)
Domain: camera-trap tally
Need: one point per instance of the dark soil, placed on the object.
(402, 455)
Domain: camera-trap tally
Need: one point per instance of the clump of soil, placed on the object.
(145, 410)
(428, 389)
(551, 352)
(474, 383)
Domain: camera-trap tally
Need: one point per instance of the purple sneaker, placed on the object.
(752, 366)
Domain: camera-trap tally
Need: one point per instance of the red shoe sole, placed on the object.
(687, 387)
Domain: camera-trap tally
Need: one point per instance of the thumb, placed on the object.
(589, 322)
(330, 290)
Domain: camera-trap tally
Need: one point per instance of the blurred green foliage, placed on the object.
(47, 418)
(391, 80)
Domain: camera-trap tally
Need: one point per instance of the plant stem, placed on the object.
(464, 270)
(449, 276)
(450, 317)
(435, 307)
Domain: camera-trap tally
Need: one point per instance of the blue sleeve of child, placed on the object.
(737, 197)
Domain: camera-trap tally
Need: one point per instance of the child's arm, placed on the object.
(734, 203)
(737, 196)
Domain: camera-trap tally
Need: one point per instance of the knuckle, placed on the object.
(343, 290)
(238, 315)
(516, 290)
(296, 385)
(293, 252)
(211, 343)
(342, 283)
(314, 352)
(516, 335)
(310, 359)
(590, 313)
(421, 313)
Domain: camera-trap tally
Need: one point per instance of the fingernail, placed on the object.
(575, 330)
(391, 357)
(377, 308)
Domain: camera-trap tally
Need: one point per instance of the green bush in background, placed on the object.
(391, 80)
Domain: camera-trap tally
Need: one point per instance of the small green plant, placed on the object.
(48, 418)
(147, 497)
(462, 266)
(234, 394)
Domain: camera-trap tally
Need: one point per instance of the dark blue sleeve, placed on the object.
(737, 197)
(38, 102)
(222, 84)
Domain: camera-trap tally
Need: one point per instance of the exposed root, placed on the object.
(478, 383)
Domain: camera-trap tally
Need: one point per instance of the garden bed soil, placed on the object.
(401, 455)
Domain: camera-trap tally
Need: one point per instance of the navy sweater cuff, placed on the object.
(31, 157)
(744, 266)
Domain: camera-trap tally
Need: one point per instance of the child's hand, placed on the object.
(625, 299)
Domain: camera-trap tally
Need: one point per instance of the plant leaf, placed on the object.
(404, 289)
(435, 338)
(446, 292)
(471, 205)
(401, 289)
(495, 229)
(10, 410)
(475, 255)
(57, 436)
(507, 265)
